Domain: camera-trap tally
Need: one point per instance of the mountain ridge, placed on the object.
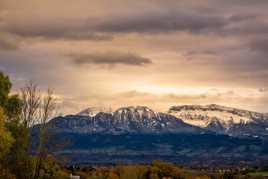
(131, 119)
(179, 119)
(224, 120)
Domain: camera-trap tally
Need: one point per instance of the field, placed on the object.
(262, 173)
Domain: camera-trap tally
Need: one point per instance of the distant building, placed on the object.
(74, 177)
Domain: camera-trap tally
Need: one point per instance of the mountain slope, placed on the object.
(191, 149)
(224, 120)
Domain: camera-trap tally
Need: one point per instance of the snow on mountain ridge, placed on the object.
(202, 116)
(137, 112)
(131, 119)
(215, 107)
(180, 119)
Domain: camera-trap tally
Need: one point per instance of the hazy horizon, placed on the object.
(126, 53)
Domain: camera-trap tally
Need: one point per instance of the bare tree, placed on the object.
(38, 108)
(46, 112)
(31, 100)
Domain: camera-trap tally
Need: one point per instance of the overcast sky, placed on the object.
(158, 53)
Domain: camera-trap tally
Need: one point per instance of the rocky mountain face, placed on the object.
(223, 120)
(124, 120)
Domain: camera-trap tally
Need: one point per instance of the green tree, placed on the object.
(10, 104)
(5, 86)
(19, 161)
(6, 139)
(13, 107)
(14, 136)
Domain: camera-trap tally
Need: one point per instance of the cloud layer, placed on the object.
(161, 52)
(109, 58)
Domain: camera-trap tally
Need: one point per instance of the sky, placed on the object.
(157, 53)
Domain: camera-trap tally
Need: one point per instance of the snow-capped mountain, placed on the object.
(223, 119)
(138, 119)
(179, 119)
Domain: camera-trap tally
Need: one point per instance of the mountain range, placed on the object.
(188, 134)
(134, 120)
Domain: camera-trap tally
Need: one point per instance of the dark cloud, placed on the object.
(252, 57)
(198, 53)
(62, 35)
(110, 58)
(242, 3)
(13, 33)
(244, 17)
(237, 24)
(247, 28)
(59, 34)
(103, 28)
(161, 23)
(167, 19)
(54, 29)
